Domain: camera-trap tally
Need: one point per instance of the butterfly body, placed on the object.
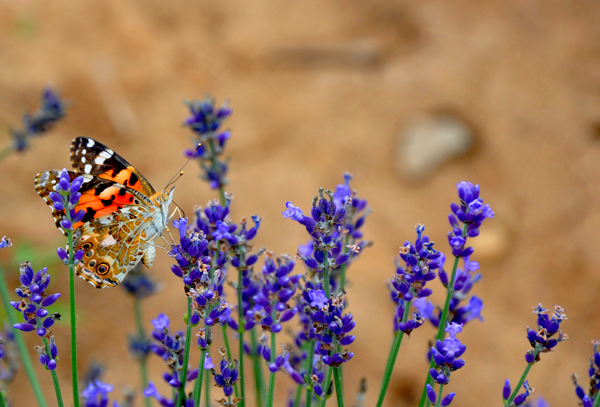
(123, 213)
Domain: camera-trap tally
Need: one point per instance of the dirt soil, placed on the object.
(319, 88)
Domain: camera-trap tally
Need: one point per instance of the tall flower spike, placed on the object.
(470, 212)
(227, 378)
(33, 307)
(9, 358)
(548, 334)
(277, 290)
(51, 110)
(330, 326)
(326, 228)
(594, 374)
(446, 356)
(139, 283)
(205, 121)
(419, 264)
(191, 254)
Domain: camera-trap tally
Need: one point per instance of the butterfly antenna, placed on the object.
(159, 246)
(177, 209)
(180, 172)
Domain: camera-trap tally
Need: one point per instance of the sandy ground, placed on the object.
(319, 88)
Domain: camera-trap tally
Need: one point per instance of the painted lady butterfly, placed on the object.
(123, 213)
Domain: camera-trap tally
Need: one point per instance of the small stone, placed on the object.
(429, 142)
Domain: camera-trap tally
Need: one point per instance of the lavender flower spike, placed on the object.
(51, 110)
(34, 300)
(471, 212)
(594, 374)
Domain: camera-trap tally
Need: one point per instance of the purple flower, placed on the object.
(5, 242)
(420, 260)
(446, 355)
(522, 397)
(228, 376)
(471, 213)
(96, 394)
(152, 391)
(293, 212)
(51, 110)
(334, 224)
(594, 374)
(277, 289)
(548, 334)
(140, 284)
(191, 254)
(205, 121)
(9, 359)
(65, 198)
(34, 300)
(328, 325)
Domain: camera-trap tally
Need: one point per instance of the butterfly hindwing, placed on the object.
(112, 246)
(94, 158)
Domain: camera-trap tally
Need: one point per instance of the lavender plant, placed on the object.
(51, 110)
(285, 321)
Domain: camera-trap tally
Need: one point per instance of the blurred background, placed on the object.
(409, 96)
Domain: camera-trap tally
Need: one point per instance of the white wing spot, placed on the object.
(106, 154)
(87, 169)
(54, 181)
(99, 160)
(90, 143)
(108, 241)
(82, 159)
(83, 151)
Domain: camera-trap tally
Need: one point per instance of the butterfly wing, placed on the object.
(112, 245)
(94, 158)
(119, 205)
(99, 197)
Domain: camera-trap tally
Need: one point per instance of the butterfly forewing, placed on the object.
(94, 158)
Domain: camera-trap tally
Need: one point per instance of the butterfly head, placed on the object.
(165, 198)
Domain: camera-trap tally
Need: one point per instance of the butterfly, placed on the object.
(123, 212)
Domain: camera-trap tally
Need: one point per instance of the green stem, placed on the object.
(439, 397)
(259, 380)
(2, 403)
(343, 268)
(6, 152)
(137, 305)
(198, 385)
(389, 368)
(326, 286)
(508, 402)
(338, 386)
(186, 355)
(73, 314)
(326, 382)
(298, 396)
(35, 384)
(59, 399)
(226, 340)
(597, 400)
(443, 319)
(271, 393)
(241, 334)
(309, 369)
(206, 391)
